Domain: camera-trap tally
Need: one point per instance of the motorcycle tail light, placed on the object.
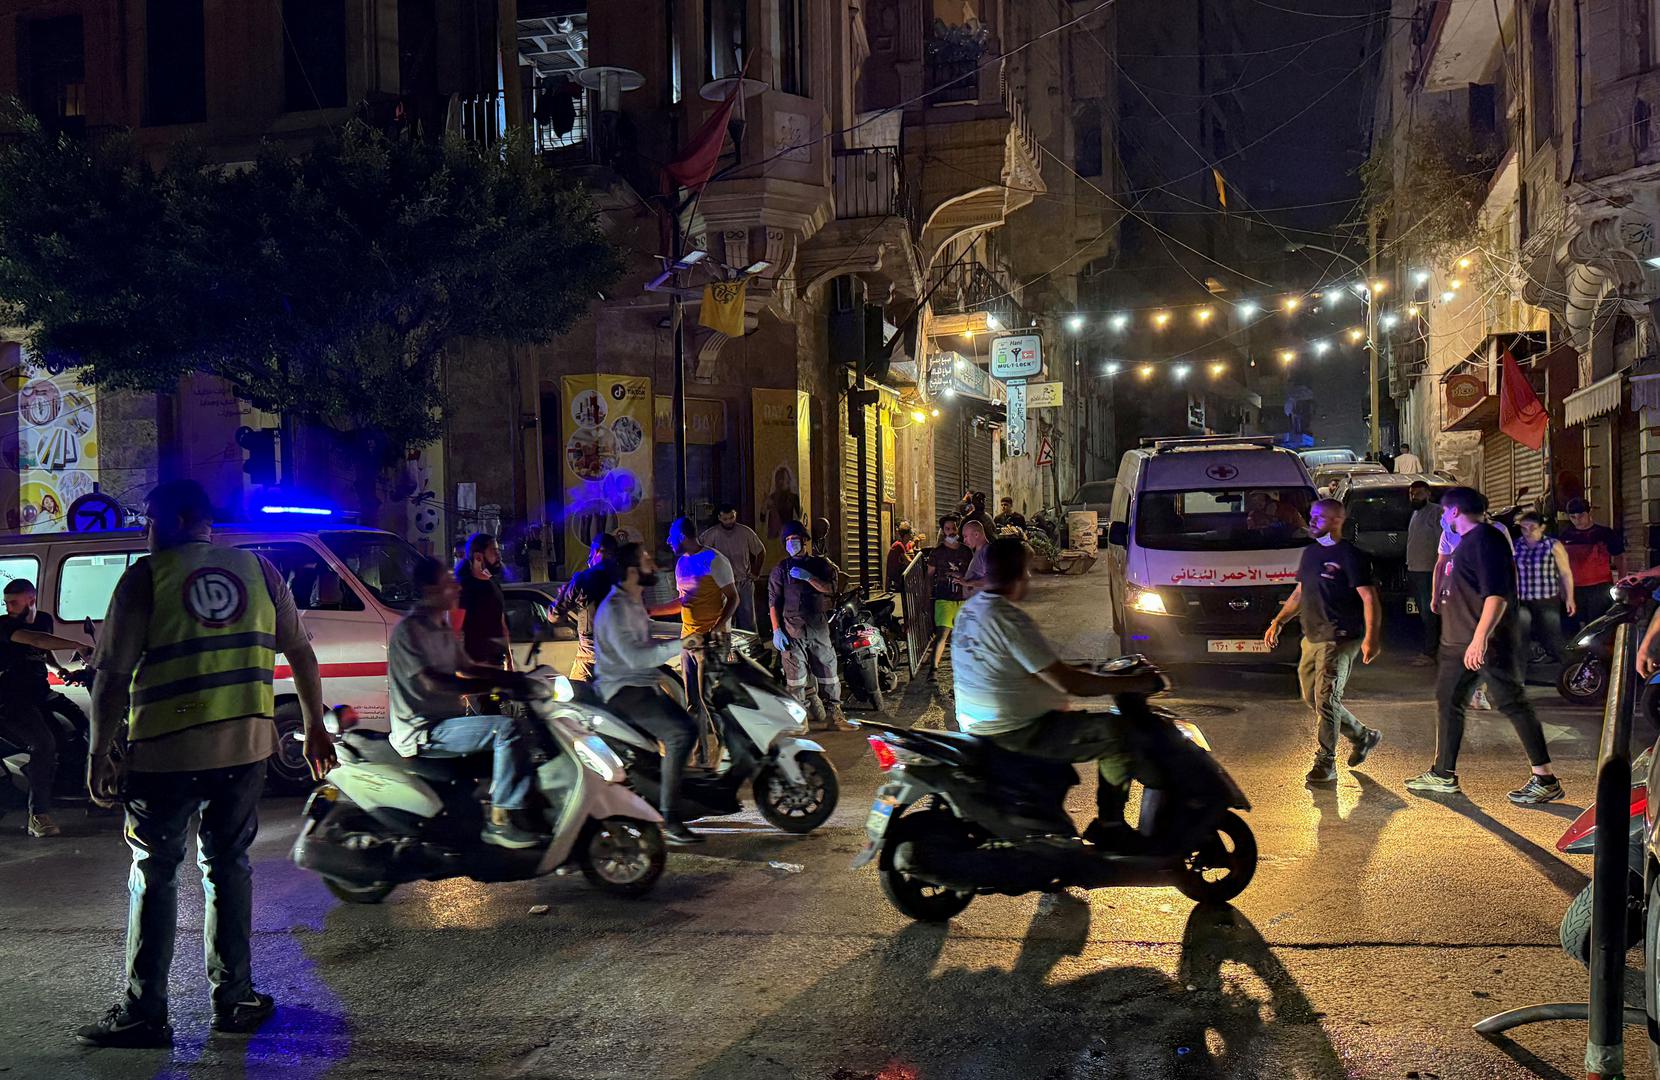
(886, 759)
(862, 642)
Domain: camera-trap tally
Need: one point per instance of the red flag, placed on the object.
(1521, 416)
(697, 160)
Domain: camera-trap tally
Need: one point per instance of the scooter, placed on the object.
(1584, 677)
(761, 731)
(953, 821)
(380, 819)
(862, 651)
(70, 728)
(1580, 839)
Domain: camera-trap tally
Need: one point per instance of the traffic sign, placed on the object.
(95, 512)
(1046, 452)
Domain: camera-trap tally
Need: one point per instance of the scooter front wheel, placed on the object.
(803, 807)
(358, 894)
(622, 855)
(1583, 681)
(1221, 864)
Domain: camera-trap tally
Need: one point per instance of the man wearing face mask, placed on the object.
(1337, 599)
(947, 566)
(744, 550)
(799, 595)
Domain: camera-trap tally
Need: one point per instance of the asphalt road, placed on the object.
(1379, 927)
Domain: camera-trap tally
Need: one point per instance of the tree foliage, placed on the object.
(324, 285)
(1430, 182)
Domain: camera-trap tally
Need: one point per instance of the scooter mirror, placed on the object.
(88, 628)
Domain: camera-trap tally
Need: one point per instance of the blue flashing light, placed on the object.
(1141, 637)
(308, 511)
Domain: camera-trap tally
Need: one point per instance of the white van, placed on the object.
(1203, 547)
(351, 585)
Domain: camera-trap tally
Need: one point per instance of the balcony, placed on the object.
(874, 229)
(1460, 42)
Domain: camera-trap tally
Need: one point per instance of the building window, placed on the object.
(313, 54)
(1087, 157)
(789, 48)
(728, 40)
(52, 75)
(1542, 74)
(175, 63)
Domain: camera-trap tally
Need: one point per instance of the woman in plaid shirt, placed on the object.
(1544, 585)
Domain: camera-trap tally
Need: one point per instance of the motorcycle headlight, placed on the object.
(562, 690)
(796, 711)
(1148, 602)
(592, 752)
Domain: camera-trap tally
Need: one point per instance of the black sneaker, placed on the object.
(1323, 772)
(509, 836)
(676, 833)
(1116, 837)
(245, 1016)
(120, 1031)
(1367, 743)
(1537, 793)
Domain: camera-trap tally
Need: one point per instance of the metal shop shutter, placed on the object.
(862, 548)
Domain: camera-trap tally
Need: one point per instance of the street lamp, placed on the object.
(1368, 273)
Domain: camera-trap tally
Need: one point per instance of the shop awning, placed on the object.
(1483, 416)
(1598, 399)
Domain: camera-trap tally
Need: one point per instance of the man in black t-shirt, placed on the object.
(580, 597)
(1479, 640)
(482, 614)
(26, 635)
(1337, 598)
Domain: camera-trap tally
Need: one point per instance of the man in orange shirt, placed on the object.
(708, 602)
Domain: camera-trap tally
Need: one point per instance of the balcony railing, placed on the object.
(870, 182)
(574, 143)
(953, 55)
(977, 287)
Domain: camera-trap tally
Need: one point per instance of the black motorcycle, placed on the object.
(866, 654)
(960, 816)
(1584, 677)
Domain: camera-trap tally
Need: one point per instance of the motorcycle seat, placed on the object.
(468, 768)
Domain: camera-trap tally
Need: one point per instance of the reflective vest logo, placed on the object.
(214, 597)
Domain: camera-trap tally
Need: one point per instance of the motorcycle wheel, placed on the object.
(1648, 707)
(623, 856)
(1230, 852)
(1583, 681)
(1651, 967)
(798, 808)
(286, 772)
(358, 894)
(888, 676)
(1575, 931)
(913, 897)
(877, 700)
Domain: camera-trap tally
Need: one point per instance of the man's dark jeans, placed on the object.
(1592, 602)
(646, 707)
(159, 809)
(1542, 619)
(24, 725)
(1423, 589)
(1454, 685)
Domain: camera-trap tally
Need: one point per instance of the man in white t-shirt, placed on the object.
(1011, 688)
(744, 550)
(1406, 461)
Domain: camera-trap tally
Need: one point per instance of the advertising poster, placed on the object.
(607, 466)
(56, 447)
(782, 490)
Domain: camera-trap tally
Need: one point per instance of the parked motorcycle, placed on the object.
(959, 817)
(761, 730)
(380, 819)
(866, 654)
(1580, 839)
(1584, 677)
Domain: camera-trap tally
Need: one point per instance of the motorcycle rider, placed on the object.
(429, 675)
(626, 658)
(26, 645)
(800, 592)
(1012, 688)
(580, 597)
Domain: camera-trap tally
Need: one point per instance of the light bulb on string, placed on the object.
(1246, 308)
(1120, 321)
(1161, 319)
(1379, 286)
(1292, 303)
(1217, 368)
(1179, 372)
(1448, 297)
(1203, 315)
(1464, 263)
(1420, 277)
(1388, 321)
(1113, 367)
(1412, 311)
(1146, 371)
(1357, 335)
(1075, 323)
(1286, 356)
(1322, 347)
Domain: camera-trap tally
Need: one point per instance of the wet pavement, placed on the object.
(1380, 926)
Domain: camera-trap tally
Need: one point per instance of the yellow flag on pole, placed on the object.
(723, 308)
(1221, 188)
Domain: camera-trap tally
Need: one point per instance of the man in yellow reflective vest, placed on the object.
(186, 656)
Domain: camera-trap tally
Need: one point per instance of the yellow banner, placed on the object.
(56, 443)
(723, 308)
(705, 421)
(783, 491)
(606, 427)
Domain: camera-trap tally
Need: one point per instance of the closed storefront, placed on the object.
(866, 469)
(964, 445)
(1632, 508)
(1510, 472)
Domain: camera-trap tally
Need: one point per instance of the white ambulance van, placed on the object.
(1203, 545)
(351, 585)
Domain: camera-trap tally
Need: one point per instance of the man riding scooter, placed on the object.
(429, 674)
(800, 592)
(1013, 689)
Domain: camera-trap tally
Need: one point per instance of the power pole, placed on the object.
(1372, 330)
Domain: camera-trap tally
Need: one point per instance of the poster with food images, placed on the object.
(607, 467)
(56, 448)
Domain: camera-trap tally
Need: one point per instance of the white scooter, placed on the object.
(380, 819)
(761, 729)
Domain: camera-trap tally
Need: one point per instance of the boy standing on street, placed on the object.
(1595, 556)
(1337, 599)
(1478, 642)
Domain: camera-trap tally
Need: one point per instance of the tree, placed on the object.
(325, 285)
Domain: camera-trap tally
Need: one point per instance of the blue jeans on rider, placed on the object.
(462, 735)
(159, 808)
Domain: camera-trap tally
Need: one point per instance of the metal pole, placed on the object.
(863, 477)
(677, 324)
(1610, 872)
(1372, 330)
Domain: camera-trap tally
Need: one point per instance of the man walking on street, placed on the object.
(1478, 642)
(947, 564)
(1337, 599)
(799, 595)
(190, 644)
(744, 550)
(1596, 555)
(1423, 540)
(1406, 462)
